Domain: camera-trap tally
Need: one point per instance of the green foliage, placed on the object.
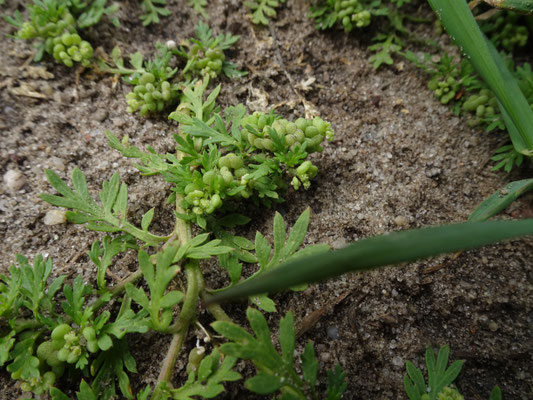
(36, 351)
(206, 375)
(109, 216)
(152, 79)
(156, 82)
(205, 54)
(456, 84)
(263, 10)
(507, 30)
(439, 376)
(358, 14)
(153, 10)
(232, 156)
(199, 7)
(276, 371)
(500, 200)
(54, 25)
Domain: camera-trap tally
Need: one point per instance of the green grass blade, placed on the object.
(378, 251)
(520, 6)
(500, 200)
(461, 26)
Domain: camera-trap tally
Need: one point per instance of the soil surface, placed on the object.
(399, 160)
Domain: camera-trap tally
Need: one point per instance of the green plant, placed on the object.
(153, 10)
(205, 54)
(54, 25)
(263, 10)
(86, 336)
(440, 378)
(391, 35)
(157, 84)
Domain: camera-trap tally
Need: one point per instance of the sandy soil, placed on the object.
(400, 160)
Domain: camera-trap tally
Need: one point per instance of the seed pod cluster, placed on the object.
(206, 61)
(151, 94)
(39, 385)
(60, 37)
(508, 31)
(51, 28)
(445, 89)
(69, 48)
(311, 132)
(352, 14)
(482, 105)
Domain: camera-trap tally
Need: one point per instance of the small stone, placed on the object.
(55, 217)
(397, 361)
(339, 243)
(56, 163)
(493, 326)
(101, 115)
(14, 180)
(333, 332)
(400, 220)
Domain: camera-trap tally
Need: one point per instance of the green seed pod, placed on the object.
(89, 333)
(302, 123)
(49, 379)
(291, 128)
(226, 175)
(92, 346)
(480, 110)
(489, 111)
(235, 161)
(45, 350)
(216, 201)
(239, 173)
(147, 78)
(302, 169)
(209, 177)
(447, 97)
(63, 354)
(290, 140)
(433, 85)
(60, 331)
(321, 125)
(268, 144)
(74, 355)
(261, 122)
(224, 162)
(311, 131)
(165, 94)
(300, 136)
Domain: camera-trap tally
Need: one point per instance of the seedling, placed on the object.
(157, 83)
(54, 26)
(263, 10)
(440, 378)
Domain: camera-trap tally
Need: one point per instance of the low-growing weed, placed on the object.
(440, 378)
(61, 328)
(157, 83)
(54, 26)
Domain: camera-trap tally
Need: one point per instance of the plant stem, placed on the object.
(117, 289)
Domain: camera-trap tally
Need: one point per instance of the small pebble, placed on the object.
(55, 217)
(333, 332)
(101, 115)
(56, 163)
(493, 326)
(339, 243)
(14, 180)
(400, 220)
(397, 361)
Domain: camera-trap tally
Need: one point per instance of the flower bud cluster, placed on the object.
(507, 30)
(352, 14)
(151, 94)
